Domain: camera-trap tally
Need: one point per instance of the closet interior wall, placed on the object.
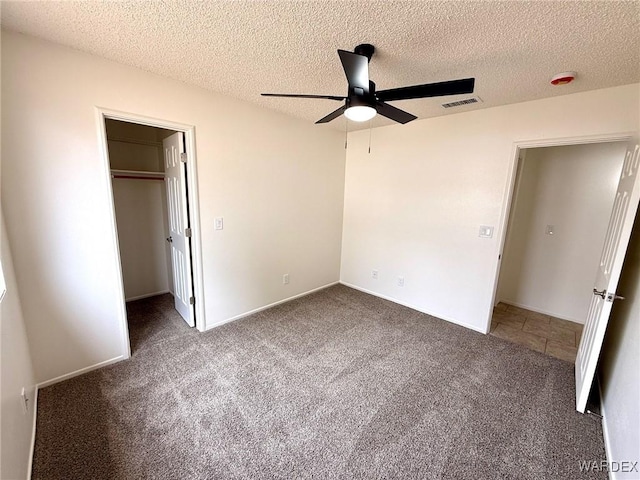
(141, 207)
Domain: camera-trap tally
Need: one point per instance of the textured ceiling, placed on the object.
(243, 48)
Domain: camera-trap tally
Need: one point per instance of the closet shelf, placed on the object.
(137, 174)
(149, 143)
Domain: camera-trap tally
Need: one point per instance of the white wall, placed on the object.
(16, 372)
(140, 207)
(619, 368)
(129, 156)
(413, 207)
(277, 181)
(573, 189)
(141, 210)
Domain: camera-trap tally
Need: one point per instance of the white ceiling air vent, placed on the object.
(459, 103)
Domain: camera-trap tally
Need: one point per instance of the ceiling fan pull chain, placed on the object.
(346, 131)
(370, 128)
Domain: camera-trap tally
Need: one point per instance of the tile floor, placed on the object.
(546, 334)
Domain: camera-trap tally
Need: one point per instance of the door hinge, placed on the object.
(183, 157)
(192, 300)
(187, 232)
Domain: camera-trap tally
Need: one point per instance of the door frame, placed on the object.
(102, 114)
(511, 184)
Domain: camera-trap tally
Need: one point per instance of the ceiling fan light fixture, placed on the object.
(360, 113)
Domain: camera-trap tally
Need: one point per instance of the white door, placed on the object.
(604, 292)
(179, 232)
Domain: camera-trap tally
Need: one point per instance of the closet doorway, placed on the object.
(155, 215)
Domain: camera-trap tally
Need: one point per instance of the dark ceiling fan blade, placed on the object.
(332, 115)
(299, 95)
(394, 113)
(452, 87)
(356, 68)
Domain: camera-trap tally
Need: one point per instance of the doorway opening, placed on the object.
(560, 209)
(612, 256)
(152, 176)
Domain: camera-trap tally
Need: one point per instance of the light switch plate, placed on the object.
(486, 231)
(218, 223)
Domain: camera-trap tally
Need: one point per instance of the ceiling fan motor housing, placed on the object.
(355, 101)
(357, 97)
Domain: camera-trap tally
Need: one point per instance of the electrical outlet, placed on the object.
(374, 274)
(401, 281)
(25, 401)
(285, 279)
(218, 223)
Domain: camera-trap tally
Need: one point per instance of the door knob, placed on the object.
(602, 294)
(612, 296)
(169, 239)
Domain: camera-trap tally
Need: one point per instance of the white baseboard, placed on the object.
(146, 295)
(260, 309)
(542, 311)
(32, 447)
(605, 431)
(413, 307)
(67, 376)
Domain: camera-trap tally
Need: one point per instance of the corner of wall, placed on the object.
(618, 370)
(17, 373)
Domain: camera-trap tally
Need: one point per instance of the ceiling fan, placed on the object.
(363, 101)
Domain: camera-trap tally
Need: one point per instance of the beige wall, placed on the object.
(128, 156)
(16, 373)
(140, 207)
(414, 206)
(277, 181)
(571, 188)
(620, 364)
(135, 147)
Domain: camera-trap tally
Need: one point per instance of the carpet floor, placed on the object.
(335, 385)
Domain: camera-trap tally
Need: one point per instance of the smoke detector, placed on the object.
(563, 78)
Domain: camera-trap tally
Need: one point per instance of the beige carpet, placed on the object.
(335, 385)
